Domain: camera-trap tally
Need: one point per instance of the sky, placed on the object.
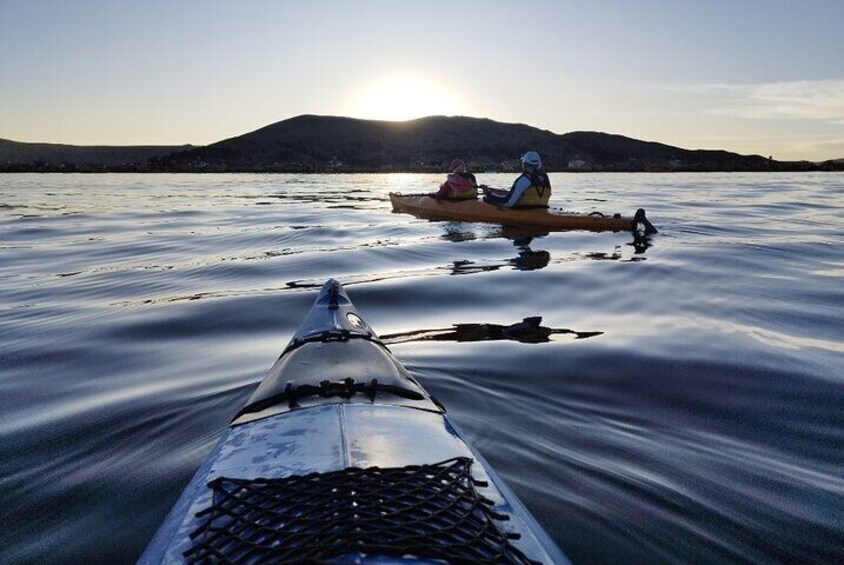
(750, 76)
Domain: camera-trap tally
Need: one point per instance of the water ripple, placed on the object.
(677, 400)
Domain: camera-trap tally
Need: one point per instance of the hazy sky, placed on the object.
(763, 77)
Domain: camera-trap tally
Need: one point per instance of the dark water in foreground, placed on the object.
(693, 411)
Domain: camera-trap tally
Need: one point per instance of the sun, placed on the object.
(403, 97)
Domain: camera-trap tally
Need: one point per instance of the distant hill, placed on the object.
(327, 143)
(51, 156)
(311, 143)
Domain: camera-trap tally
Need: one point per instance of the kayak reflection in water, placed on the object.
(459, 184)
(640, 243)
(528, 330)
(532, 189)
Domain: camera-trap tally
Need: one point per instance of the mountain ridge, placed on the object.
(315, 143)
(58, 156)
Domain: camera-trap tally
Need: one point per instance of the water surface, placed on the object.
(684, 401)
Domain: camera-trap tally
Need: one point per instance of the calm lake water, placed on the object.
(690, 407)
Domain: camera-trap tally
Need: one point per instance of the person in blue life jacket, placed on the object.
(459, 184)
(531, 189)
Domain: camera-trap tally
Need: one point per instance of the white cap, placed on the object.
(531, 158)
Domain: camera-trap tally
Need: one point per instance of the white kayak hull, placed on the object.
(286, 437)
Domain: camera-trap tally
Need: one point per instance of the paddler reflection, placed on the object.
(528, 259)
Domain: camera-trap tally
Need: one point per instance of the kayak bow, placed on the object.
(341, 456)
(425, 206)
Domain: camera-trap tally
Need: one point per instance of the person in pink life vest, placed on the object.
(459, 185)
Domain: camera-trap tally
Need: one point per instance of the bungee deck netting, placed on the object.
(423, 511)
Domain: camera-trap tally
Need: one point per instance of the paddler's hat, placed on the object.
(456, 164)
(531, 158)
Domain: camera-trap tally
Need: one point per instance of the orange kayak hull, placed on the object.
(424, 206)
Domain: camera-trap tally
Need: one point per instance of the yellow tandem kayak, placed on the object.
(424, 206)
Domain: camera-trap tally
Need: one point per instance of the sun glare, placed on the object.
(403, 98)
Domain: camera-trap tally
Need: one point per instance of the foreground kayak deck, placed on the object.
(425, 206)
(341, 456)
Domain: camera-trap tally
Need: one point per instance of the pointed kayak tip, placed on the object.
(332, 295)
(333, 288)
(332, 313)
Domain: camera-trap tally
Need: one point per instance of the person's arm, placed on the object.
(444, 191)
(522, 183)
